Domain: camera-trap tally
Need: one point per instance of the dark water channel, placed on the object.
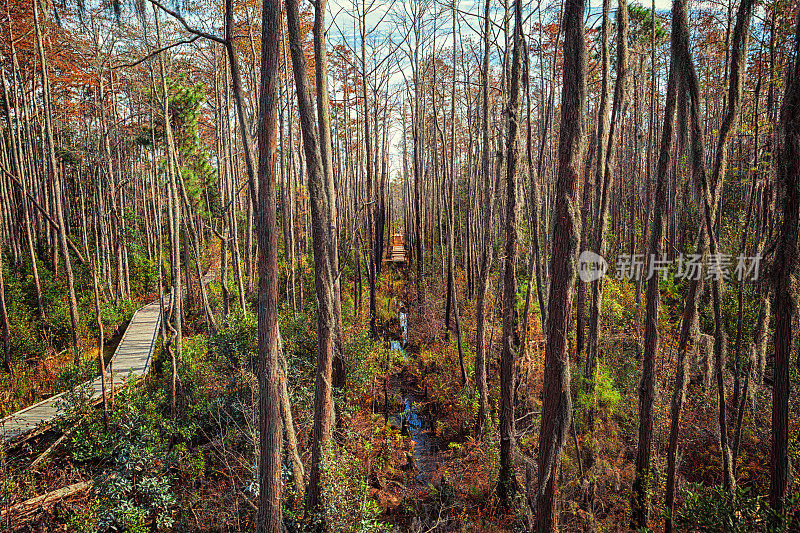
(415, 418)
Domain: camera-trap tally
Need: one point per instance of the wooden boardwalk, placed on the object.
(397, 253)
(132, 356)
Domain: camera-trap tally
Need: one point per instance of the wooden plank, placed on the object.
(132, 356)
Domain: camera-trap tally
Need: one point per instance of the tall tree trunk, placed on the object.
(451, 208)
(4, 317)
(736, 78)
(173, 206)
(57, 191)
(640, 506)
(269, 421)
(602, 142)
(557, 401)
(95, 285)
(371, 200)
(320, 195)
(788, 178)
(22, 171)
(486, 251)
(288, 426)
(708, 194)
(329, 184)
(508, 485)
(603, 184)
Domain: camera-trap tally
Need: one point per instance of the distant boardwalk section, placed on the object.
(133, 356)
(397, 252)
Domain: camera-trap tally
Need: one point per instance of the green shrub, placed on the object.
(607, 401)
(115, 314)
(348, 506)
(143, 271)
(134, 485)
(606, 396)
(59, 321)
(73, 375)
(713, 510)
(236, 341)
(195, 372)
(360, 367)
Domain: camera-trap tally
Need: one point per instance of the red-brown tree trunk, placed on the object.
(269, 466)
(557, 402)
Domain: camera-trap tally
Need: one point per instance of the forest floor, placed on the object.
(407, 453)
(459, 486)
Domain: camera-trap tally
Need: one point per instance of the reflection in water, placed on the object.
(398, 348)
(426, 446)
(404, 325)
(418, 426)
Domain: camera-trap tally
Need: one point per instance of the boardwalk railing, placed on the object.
(132, 357)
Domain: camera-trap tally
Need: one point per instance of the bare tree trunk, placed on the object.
(557, 402)
(640, 506)
(4, 317)
(486, 252)
(269, 466)
(603, 182)
(57, 192)
(689, 317)
(709, 209)
(174, 210)
(288, 425)
(418, 135)
(535, 259)
(21, 169)
(320, 195)
(760, 336)
(507, 487)
(788, 178)
(451, 207)
(602, 142)
(194, 236)
(326, 152)
(100, 360)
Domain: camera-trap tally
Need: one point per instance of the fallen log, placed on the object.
(44, 501)
(53, 446)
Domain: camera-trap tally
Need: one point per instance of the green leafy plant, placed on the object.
(714, 510)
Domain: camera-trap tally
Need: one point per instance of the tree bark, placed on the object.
(507, 487)
(320, 195)
(4, 317)
(57, 191)
(708, 194)
(640, 506)
(557, 401)
(329, 184)
(784, 277)
(486, 252)
(269, 466)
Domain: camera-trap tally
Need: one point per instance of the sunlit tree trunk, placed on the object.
(320, 195)
(57, 190)
(486, 251)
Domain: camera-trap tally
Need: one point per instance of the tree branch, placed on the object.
(156, 52)
(186, 25)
